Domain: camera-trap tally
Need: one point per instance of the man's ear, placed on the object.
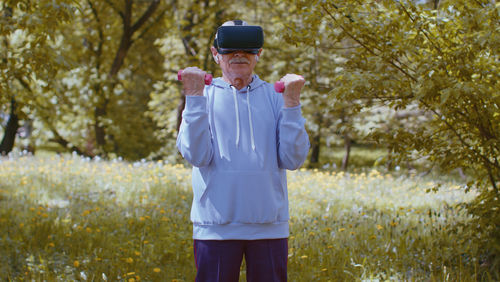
(215, 55)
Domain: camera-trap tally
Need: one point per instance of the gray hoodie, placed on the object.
(240, 143)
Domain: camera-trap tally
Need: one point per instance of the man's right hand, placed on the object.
(193, 81)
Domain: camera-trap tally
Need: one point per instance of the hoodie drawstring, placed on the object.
(236, 109)
(250, 118)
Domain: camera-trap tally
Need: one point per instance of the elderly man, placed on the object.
(241, 136)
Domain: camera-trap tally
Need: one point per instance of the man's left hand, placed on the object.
(293, 85)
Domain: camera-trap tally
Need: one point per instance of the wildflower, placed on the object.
(157, 269)
(341, 229)
(76, 263)
(379, 227)
(303, 257)
(51, 245)
(129, 260)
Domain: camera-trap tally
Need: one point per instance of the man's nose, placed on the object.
(239, 53)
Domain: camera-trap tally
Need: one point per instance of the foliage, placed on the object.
(444, 63)
(26, 32)
(72, 218)
(96, 103)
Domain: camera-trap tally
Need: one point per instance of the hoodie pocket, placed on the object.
(242, 197)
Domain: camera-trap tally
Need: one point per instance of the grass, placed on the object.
(67, 218)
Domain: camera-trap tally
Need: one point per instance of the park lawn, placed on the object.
(70, 218)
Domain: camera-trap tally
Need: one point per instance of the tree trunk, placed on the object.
(180, 108)
(99, 131)
(315, 150)
(9, 136)
(347, 147)
(129, 29)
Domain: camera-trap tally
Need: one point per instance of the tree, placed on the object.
(116, 70)
(446, 63)
(26, 29)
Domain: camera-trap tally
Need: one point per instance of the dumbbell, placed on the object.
(208, 77)
(279, 86)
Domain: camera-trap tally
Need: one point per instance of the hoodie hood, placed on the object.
(254, 84)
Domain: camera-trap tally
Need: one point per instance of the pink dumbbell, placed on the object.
(208, 77)
(279, 86)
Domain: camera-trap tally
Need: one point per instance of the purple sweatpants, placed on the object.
(220, 260)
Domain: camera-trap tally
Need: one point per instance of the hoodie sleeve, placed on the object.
(293, 143)
(194, 141)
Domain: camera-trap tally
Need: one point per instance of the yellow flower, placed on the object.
(341, 229)
(129, 260)
(51, 244)
(76, 263)
(303, 257)
(156, 269)
(379, 227)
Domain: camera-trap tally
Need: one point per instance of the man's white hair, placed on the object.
(235, 22)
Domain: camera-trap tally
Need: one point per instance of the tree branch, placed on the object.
(368, 48)
(120, 13)
(97, 52)
(420, 29)
(149, 12)
(156, 20)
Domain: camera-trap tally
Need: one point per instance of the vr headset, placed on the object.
(246, 38)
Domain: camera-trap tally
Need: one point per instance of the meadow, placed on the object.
(70, 218)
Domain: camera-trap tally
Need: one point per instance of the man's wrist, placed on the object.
(192, 92)
(291, 105)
